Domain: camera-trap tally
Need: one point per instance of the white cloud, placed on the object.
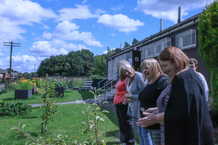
(24, 11)
(168, 9)
(20, 63)
(14, 13)
(113, 34)
(7, 28)
(81, 12)
(44, 49)
(66, 31)
(120, 22)
(65, 27)
(84, 1)
(1, 54)
(45, 27)
(117, 8)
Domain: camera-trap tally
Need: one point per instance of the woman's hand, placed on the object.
(149, 120)
(127, 95)
(130, 100)
(126, 101)
(152, 110)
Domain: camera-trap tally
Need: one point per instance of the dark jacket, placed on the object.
(187, 120)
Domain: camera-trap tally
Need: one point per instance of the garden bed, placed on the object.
(23, 94)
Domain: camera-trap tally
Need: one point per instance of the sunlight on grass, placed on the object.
(66, 122)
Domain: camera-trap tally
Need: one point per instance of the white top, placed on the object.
(204, 83)
(128, 88)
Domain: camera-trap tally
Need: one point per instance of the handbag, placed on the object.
(210, 103)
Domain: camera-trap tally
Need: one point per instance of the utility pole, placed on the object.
(12, 45)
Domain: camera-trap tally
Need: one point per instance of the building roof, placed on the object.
(187, 22)
(14, 74)
(3, 71)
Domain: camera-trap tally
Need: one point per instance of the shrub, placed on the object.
(14, 108)
(24, 84)
(208, 46)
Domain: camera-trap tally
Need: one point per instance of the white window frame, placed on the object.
(155, 48)
(151, 46)
(144, 49)
(180, 37)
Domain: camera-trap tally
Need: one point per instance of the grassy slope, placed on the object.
(66, 122)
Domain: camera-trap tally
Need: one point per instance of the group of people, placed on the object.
(167, 101)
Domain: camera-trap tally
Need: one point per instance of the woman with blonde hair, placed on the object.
(157, 82)
(135, 83)
(125, 122)
(186, 117)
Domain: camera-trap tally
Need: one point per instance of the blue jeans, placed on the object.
(144, 136)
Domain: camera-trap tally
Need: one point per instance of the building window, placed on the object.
(149, 52)
(158, 48)
(161, 45)
(155, 48)
(186, 39)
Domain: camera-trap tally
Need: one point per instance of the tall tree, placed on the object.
(126, 45)
(100, 67)
(135, 41)
(88, 61)
(208, 48)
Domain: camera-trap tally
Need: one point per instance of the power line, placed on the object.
(12, 44)
(113, 4)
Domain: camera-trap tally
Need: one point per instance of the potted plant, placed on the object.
(23, 89)
(59, 88)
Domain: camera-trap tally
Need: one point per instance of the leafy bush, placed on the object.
(24, 84)
(38, 82)
(2, 81)
(208, 46)
(58, 83)
(14, 108)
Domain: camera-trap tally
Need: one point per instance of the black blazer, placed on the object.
(187, 120)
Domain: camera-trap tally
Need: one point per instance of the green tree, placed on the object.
(208, 46)
(117, 50)
(88, 61)
(135, 41)
(27, 75)
(100, 65)
(109, 51)
(76, 64)
(20, 75)
(126, 45)
(8, 70)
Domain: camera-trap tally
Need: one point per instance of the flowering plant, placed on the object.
(24, 84)
(38, 82)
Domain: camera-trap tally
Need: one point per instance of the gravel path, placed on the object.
(2, 86)
(110, 106)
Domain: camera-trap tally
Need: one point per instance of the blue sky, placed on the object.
(53, 27)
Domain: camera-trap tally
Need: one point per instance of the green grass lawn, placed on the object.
(69, 95)
(67, 122)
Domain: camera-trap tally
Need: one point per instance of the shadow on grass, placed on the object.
(29, 117)
(114, 133)
(86, 95)
(111, 115)
(8, 99)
